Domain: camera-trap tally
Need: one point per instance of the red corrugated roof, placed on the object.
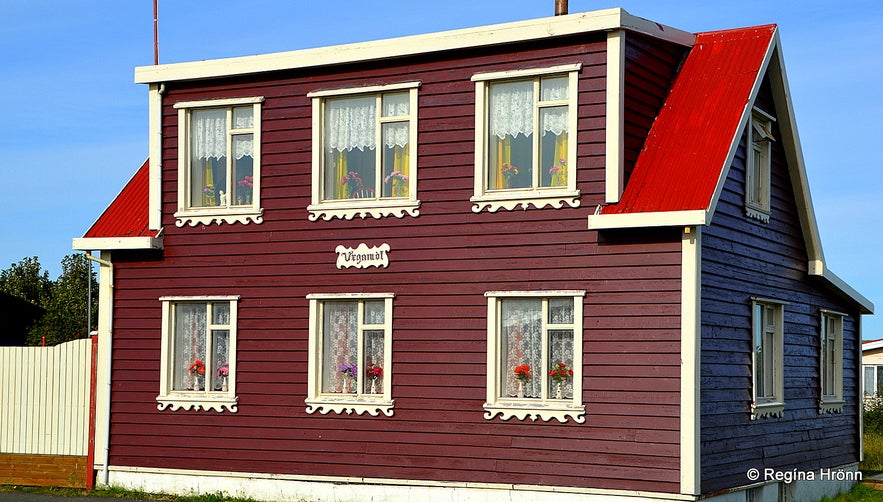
(684, 154)
(127, 215)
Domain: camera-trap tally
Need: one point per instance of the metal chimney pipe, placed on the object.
(560, 7)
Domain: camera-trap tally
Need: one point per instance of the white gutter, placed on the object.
(105, 342)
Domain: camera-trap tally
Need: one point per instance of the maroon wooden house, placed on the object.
(569, 257)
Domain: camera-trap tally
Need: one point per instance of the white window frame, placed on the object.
(772, 404)
(196, 400)
(831, 362)
(350, 208)
(758, 176)
(871, 392)
(250, 213)
(538, 197)
(359, 403)
(522, 409)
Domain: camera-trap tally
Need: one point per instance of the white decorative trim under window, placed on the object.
(758, 166)
(219, 153)
(831, 362)
(350, 353)
(198, 363)
(365, 152)
(535, 355)
(525, 138)
(768, 363)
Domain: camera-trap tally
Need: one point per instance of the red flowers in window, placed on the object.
(560, 372)
(523, 372)
(197, 368)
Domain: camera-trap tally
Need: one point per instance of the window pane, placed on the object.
(374, 312)
(553, 88)
(243, 170)
(243, 117)
(220, 368)
(561, 310)
(561, 363)
(396, 104)
(350, 144)
(869, 381)
(221, 313)
(396, 159)
(521, 338)
(208, 156)
(510, 131)
(553, 146)
(759, 373)
(188, 361)
(340, 324)
(879, 386)
(374, 363)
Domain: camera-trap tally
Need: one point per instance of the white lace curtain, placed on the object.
(341, 364)
(351, 123)
(190, 330)
(522, 326)
(209, 133)
(512, 107)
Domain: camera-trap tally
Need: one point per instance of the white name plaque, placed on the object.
(363, 256)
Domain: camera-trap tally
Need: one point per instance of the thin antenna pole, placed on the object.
(155, 33)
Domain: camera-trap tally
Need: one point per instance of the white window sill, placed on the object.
(830, 406)
(349, 209)
(758, 213)
(510, 200)
(533, 409)
(209, 215)
(204, 402)
(350, 404)
(764, 410)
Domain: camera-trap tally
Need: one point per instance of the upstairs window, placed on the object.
(525, 138)
(768, 362)
(366, 162)
(219, 161)
(198, 366)
(757, 179)
(831, 363)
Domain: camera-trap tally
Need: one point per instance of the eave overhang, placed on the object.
(483, 36)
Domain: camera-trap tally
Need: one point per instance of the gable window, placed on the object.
(365, 162)
(525, 144)
(535, 355)
(350, 353)
(219, 176)
(198, 365)
(768, 358)
(757, 178)
(831, 362)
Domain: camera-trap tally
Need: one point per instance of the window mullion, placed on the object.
(544, 357)
(360, 344)
(535, 142)
(378, 141)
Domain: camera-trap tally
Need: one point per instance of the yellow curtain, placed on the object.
(504, 157)
(559, 178)
(341, 189)
(208, 192)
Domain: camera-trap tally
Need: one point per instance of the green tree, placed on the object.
(67, 303)
(26, 280)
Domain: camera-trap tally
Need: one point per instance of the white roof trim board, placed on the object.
(549, 27)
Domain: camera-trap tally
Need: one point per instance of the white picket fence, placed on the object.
(44, 398)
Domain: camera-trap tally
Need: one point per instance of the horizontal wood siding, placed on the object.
(441, 264)
(769, 261)
(650, 68)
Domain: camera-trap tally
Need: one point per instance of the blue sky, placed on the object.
(74, 125)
